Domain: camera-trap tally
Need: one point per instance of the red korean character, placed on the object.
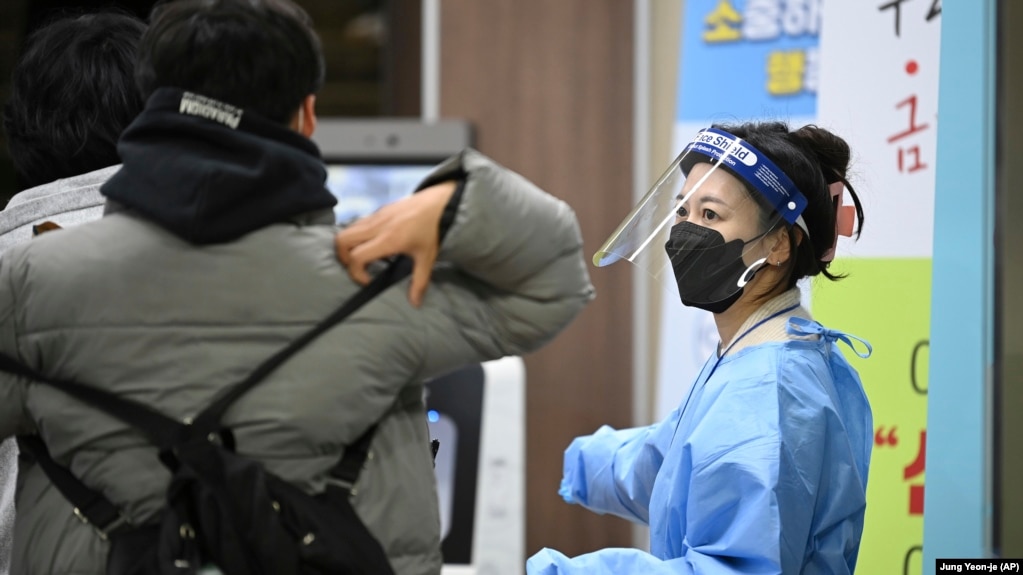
(916, 492)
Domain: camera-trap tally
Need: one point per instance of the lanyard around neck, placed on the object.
(751, 330)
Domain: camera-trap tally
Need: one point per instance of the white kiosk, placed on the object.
(478, 415)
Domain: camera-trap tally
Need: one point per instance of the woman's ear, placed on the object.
(780, 246)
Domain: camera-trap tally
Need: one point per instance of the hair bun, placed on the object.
(830, 150)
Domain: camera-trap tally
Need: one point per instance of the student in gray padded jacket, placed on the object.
(72, 94)
(218, 249)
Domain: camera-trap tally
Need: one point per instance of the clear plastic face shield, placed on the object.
(701, 223)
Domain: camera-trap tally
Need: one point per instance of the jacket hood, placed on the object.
(210, 173)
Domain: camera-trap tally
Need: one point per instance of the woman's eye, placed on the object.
(709, 215)
(682, 212)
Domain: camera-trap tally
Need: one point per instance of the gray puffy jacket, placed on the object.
(66, 202)
(125, 305)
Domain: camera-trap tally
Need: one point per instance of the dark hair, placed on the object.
(72, 94)
(258, 55)
(813, 158)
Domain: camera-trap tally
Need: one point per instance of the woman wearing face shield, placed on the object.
(762, 468)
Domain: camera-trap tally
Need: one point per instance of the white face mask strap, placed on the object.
(748, 274)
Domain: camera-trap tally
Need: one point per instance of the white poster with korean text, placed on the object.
(879, 90)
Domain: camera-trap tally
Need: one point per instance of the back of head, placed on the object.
(259, 55)
(813, 158)
(72, 94)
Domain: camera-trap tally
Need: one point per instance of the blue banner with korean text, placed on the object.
(749, 59)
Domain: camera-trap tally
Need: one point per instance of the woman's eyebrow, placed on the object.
(706, 199)
(713, 200)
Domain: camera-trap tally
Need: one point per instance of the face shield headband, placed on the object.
(755, 169)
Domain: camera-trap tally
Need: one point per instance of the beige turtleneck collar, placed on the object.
(773, 329)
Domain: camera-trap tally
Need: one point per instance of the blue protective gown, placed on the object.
(762, 470)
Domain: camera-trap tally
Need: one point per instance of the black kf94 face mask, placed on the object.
(709, 271)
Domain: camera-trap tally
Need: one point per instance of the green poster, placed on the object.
(888, 303)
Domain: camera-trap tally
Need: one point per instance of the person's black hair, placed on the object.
(72, 94)
(259, 55)
(813, 158)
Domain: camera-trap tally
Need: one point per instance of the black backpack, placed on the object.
(222, 508)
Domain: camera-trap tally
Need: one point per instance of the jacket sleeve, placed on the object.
(511, 272)
(14, 417)
(613, 471)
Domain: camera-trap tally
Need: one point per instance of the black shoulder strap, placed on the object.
(166, 432)
(209, 419)
(347, 470)
(152, 422)
(93, 506)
